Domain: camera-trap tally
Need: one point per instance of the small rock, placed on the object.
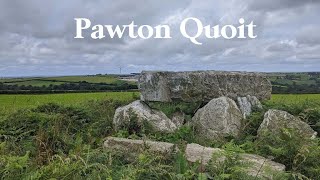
(220, 117)
(275, 120)
(140, 112)
(137, 146)
(253, 165)
(178, 118)
(197, 153)
(246, 105)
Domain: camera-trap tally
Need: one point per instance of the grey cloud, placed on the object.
(271, 5)
(309, 35)
(37, 36)
(282, 46)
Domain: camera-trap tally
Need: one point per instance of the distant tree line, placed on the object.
(66, 87)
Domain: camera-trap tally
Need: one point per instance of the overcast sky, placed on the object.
(37, 36)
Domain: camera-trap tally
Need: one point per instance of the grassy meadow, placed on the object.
(294, 98)
(13, 102)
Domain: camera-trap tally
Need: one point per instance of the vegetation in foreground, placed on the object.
(65, 142)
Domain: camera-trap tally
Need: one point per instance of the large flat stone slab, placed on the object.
(202, 86)
(254, 165)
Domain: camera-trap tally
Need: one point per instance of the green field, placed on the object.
(46, 81)
(35, 83)
(294, 98)
(90, 79)
(9, 103)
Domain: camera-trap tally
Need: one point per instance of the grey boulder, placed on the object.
(203, 155)
(138, 146)
(275, 120)
(220, 117)
(141, 113)
(247, 104)
(201, 86)
(253, 165)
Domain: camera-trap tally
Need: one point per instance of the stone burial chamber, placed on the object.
(202, 86)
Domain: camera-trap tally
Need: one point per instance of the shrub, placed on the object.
(293, 150)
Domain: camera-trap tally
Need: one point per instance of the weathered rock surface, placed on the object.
(197, 153)
(202, 86)
(136, 146)
(178, 119)
(253, 165)
(220, 117)
(275, 120)
(141, 113)
(246, 104)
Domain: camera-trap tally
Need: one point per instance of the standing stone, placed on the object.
(141, 113)
(202, 86)
(275, 120)
(253, 165)
(220, 117)
(246, 105)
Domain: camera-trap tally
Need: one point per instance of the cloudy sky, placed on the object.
(37, 36)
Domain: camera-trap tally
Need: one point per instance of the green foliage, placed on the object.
(12, 167)
(184, 134)
(170, 108)
(102, 113)
(183, 170)
(252, 123)
(89, 165)
(298, 153)
(50, 129)
(312, 116)
(64, 142)
(227, 164)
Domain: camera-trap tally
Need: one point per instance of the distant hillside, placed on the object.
(92, 83)
(282, 83)
(295, 83)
